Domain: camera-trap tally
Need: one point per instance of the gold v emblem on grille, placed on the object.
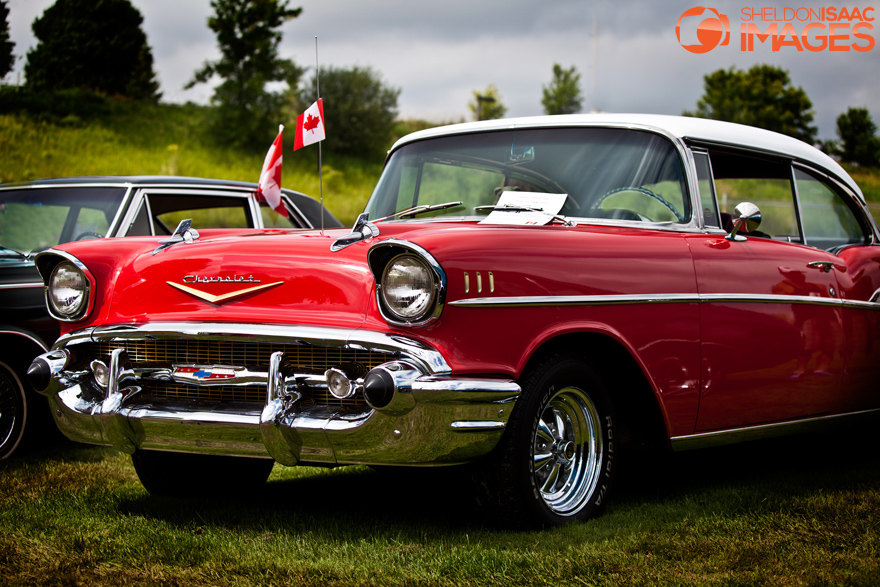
(216, 299)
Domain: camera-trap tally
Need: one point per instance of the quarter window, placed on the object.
(828, 221)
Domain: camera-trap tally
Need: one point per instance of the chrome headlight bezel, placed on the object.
(392, 256)
(82, 279)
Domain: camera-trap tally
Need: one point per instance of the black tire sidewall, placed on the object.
(523, 496)
(11, 378)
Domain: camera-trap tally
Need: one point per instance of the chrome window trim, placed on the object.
(29, 285)
(694, 223)
(291, 205)
(429, 359)
(669, 298)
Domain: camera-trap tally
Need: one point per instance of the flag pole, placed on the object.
(320, 168)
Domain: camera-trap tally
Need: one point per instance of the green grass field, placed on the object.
(794, 512)
(168, 140)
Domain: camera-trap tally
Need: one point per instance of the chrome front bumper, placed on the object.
(430, 417)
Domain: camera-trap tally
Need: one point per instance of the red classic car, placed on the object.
(537, 296)
(40, 214)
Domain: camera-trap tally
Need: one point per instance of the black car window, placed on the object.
(206, 211)
(33, 219)
(765, 182)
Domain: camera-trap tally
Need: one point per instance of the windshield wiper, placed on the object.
(7, 252)
(492, 208)
(420, 210)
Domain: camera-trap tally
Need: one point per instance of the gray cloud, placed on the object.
(438, 53)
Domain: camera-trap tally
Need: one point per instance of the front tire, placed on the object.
(555, 463)
(199, 475)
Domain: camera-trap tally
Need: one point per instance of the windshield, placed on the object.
(35, 219)
(605, 173)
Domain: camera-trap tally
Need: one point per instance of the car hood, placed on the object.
(255, 277)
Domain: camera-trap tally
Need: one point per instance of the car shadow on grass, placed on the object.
(352, 500)
(830, 460)
(361, 502)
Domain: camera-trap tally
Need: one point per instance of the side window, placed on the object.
(141, 224)
(763, 182)
(707, 191)
(828, 221)
(206, 211)
(272, 219)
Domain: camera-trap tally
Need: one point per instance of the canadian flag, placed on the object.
(269, 188)
(310, 126)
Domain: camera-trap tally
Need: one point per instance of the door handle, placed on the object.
(825, 266)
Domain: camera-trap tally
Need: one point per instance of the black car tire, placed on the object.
(199, 475)
(555, 463)
(13, 411)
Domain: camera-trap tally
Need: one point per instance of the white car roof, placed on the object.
(681, 127)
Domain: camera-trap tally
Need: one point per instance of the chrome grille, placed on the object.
(165, 390)
(297, 358)
(303, 358)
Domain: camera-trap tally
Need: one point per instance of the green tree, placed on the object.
(7, 59)
(858, 138)
(359, 109)
(93, 45)
(247, 33)
(487, 105)
(563, 95)
(761, 97)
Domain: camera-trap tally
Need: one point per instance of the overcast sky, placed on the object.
(438, 53)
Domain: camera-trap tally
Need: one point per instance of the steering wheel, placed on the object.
(89, 233)
(643, 191)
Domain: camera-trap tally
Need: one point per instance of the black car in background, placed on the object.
(40, 214)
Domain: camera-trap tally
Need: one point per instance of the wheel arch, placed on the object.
(634, 397)
(22, 347)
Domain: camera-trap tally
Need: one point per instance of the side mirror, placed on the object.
(746, 218)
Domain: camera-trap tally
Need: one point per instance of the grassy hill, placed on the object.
(164, 139)
(79, 134)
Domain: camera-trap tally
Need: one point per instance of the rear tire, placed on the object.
(199, 475)
(556, 461)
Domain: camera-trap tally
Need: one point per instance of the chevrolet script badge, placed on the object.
(218, 298)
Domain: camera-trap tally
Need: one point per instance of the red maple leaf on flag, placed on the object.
(311, 123)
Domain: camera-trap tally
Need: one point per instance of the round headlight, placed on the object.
(408, 288)
(68, 292)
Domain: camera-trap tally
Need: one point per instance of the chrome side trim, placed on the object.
(588, 300)
(31, 285)
(762, 431)
(414, 351)
(475, 426)
(604, 300)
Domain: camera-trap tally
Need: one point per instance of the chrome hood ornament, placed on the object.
(182, 234)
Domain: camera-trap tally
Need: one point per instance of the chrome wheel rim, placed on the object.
(567, 451)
